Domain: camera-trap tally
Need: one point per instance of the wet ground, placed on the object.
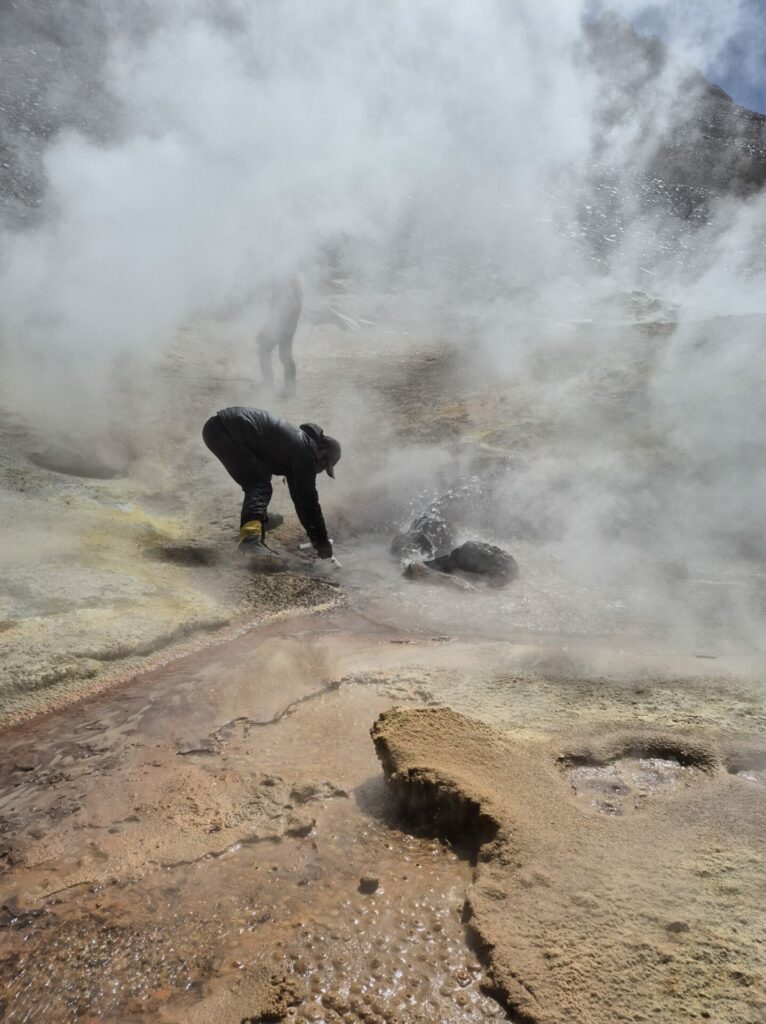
(214, 840)
(187, 934)
(224, 820)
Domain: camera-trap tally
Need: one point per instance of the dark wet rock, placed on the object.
(480, 559)
(421, 573)
(368, 884)
(429, 534)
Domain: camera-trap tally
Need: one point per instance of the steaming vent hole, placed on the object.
(81, 464)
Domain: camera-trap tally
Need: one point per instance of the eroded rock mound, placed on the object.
(590, 918)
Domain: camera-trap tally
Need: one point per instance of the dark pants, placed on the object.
(243, 466)
(284, 342)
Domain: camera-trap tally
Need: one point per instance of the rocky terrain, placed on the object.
(197, 843)
(710, 146)
(506, 761)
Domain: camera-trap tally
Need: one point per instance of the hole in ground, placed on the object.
(621, 785)
(73, 463)
(643, 749)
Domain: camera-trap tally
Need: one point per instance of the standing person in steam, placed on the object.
(253, 445)
(285, 303)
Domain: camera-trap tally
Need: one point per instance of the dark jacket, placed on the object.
(284, 450)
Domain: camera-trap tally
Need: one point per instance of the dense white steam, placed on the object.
(463, 136)
(481, 163)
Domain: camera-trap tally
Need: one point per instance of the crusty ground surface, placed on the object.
(600, 917)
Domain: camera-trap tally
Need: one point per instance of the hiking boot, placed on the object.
(251, 545)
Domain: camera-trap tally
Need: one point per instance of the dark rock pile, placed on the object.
(429, 535)
(479, 559)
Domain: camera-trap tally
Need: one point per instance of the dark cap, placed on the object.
(331, 448)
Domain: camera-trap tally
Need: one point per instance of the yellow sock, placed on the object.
(251, 531)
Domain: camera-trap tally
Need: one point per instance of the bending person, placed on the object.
(253, 445)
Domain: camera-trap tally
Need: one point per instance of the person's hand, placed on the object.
(324, 550)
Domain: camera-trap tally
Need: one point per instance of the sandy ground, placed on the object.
(573, 828)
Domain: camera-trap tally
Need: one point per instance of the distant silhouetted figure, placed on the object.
(279, 329)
